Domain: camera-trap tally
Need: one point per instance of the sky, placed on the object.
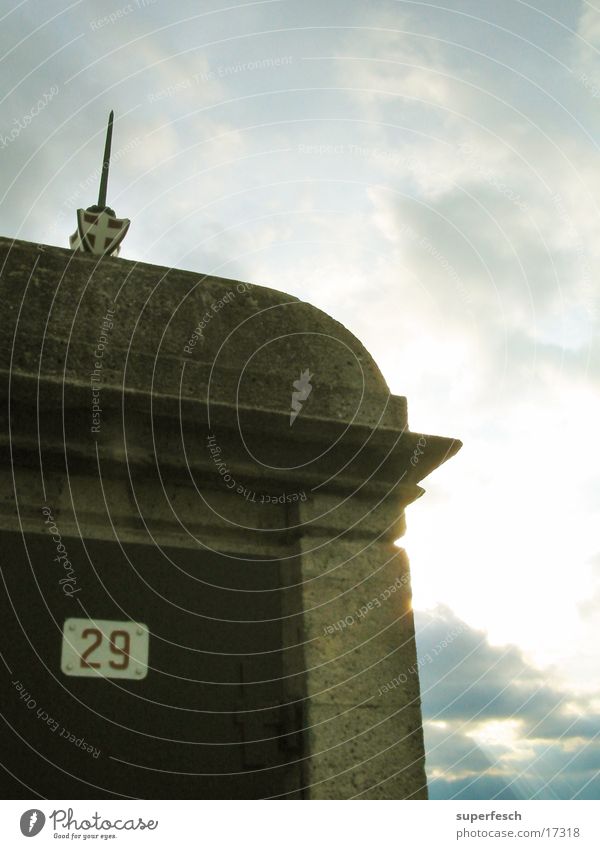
(429, 175)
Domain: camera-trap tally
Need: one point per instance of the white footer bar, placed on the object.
(301, 825)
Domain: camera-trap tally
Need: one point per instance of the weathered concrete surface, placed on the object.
(197, 371)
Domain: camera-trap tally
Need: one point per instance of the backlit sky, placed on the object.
(428, 174)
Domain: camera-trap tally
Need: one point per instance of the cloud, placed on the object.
(486, 787)
(495, 726)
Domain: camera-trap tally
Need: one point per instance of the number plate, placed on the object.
(105, 649)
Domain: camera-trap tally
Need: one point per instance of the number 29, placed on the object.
(120, 649)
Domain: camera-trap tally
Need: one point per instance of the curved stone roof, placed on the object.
(181, 333)
(172, 346)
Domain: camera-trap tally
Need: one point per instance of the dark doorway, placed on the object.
(210, 720)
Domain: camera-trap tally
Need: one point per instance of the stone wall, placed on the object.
(150, 405)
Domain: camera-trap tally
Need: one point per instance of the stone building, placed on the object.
(210, 476)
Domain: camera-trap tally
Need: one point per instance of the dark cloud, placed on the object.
(467, 678)
(453, 751)
(485, 787)
(466, 683)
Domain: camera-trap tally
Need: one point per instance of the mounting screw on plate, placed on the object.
(139, 671)
(69, 666)
(139, 632)
(71, 627)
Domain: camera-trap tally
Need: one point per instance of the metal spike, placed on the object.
(105, 163)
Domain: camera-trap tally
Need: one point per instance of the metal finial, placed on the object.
(99, 231)
(105, 163)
